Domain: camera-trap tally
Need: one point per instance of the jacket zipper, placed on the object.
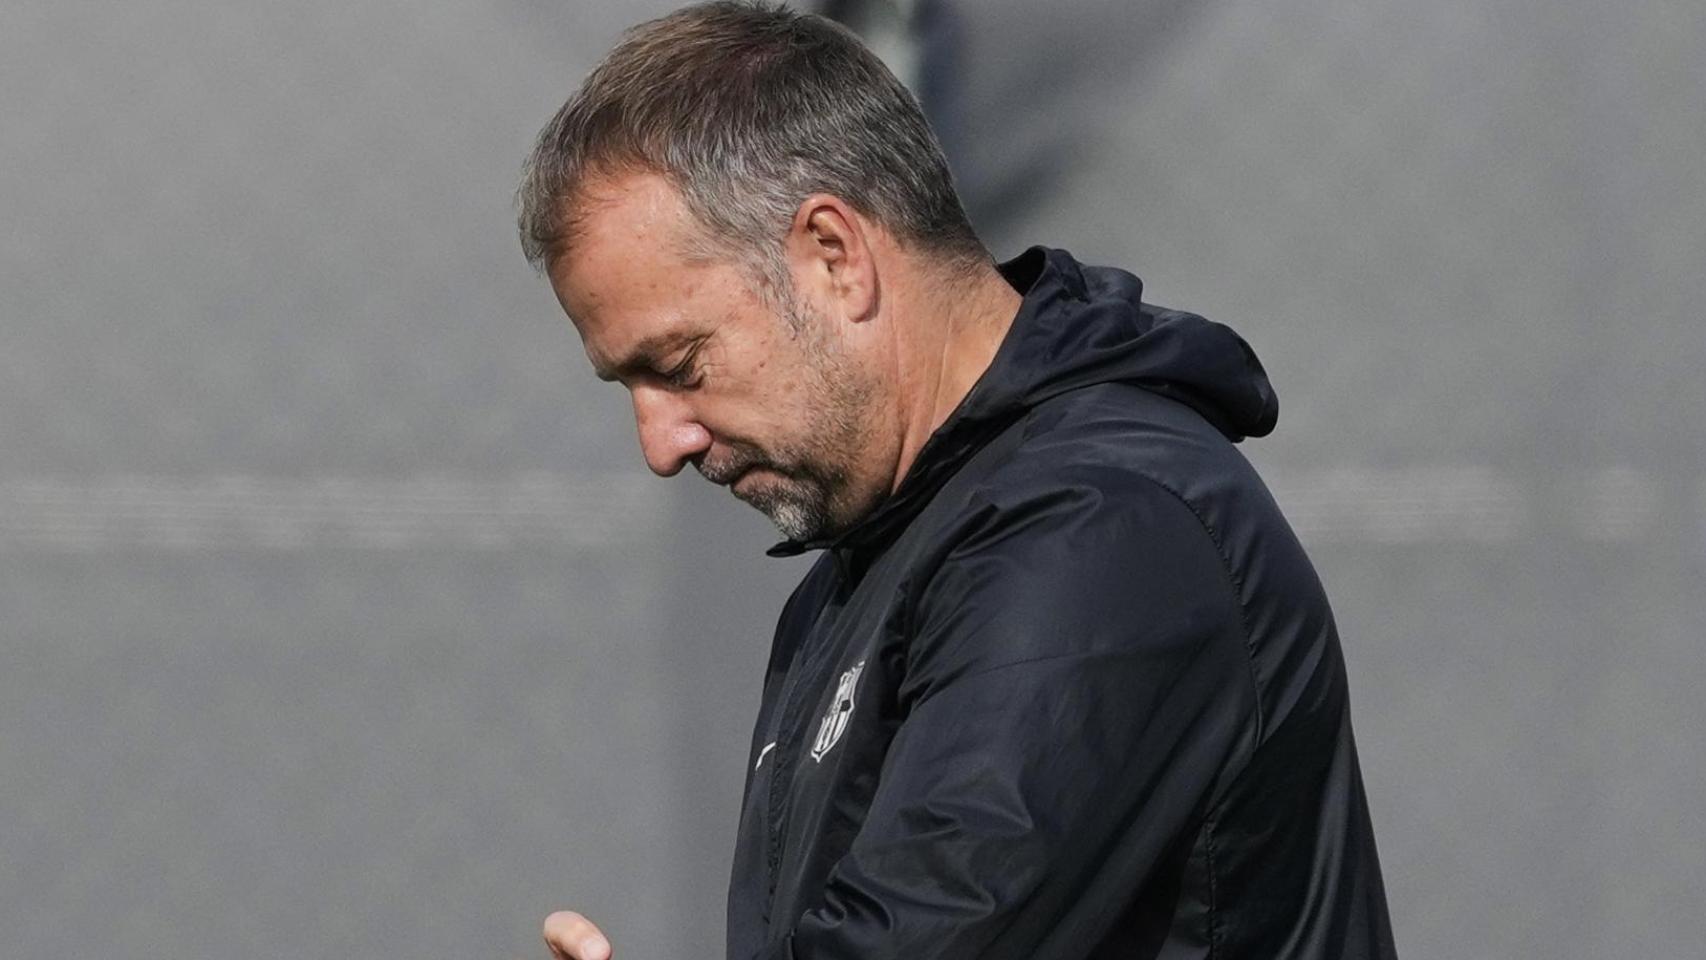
(808, 659)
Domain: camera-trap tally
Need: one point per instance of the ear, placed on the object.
(830, 253)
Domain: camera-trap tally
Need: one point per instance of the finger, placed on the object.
(573, 937)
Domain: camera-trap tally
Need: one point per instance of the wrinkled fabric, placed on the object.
(1074, 690)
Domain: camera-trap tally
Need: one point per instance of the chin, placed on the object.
(801, 509)
(797, 514)
(793, 524)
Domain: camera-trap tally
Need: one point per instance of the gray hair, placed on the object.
(747, 109)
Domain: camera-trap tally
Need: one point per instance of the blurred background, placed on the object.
(339, 616)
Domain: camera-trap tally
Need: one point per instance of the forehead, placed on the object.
(626, 244)
(625, 281)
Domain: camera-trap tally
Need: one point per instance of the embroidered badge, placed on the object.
(840, 711)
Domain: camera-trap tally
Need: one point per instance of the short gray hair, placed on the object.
(747, 109)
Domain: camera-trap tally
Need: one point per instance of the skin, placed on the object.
(811, 403)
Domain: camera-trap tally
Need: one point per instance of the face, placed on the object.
(765, 399)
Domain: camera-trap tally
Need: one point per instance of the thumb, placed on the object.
(573, 937)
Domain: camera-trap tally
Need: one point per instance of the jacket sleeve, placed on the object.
(1077, 688)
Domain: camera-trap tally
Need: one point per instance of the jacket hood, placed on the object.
(1078, 326)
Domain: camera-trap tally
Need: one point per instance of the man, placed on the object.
(1062, 683)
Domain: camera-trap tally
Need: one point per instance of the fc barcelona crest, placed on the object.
(840, 711)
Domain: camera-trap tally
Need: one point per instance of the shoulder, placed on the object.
(1117, 434)
(1074, 546)
(1108, 457)
(1108, 516)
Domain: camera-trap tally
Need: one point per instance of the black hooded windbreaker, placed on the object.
(1074, 690)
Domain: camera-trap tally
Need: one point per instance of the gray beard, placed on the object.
(811, 495)
(807, 492)
(799, 510)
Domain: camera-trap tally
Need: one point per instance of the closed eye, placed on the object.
(684, 375)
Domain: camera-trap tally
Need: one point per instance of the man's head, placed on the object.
(714, 208)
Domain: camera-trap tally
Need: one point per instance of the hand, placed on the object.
(573, 937)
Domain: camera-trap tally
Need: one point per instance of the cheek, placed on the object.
(765, 379)
(755, 373)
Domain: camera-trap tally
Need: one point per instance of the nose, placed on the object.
(669, 435)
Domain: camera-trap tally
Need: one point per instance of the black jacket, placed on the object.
(1074, 690)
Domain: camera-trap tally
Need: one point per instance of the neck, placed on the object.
(956, 328)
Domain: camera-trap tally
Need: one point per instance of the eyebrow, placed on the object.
(646, 356)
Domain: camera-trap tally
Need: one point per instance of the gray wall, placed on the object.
(341, 618)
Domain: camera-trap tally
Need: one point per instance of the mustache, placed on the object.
(726, 470)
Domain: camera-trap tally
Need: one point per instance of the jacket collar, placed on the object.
(1076, 327)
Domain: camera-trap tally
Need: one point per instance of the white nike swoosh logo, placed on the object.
(767, 748)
